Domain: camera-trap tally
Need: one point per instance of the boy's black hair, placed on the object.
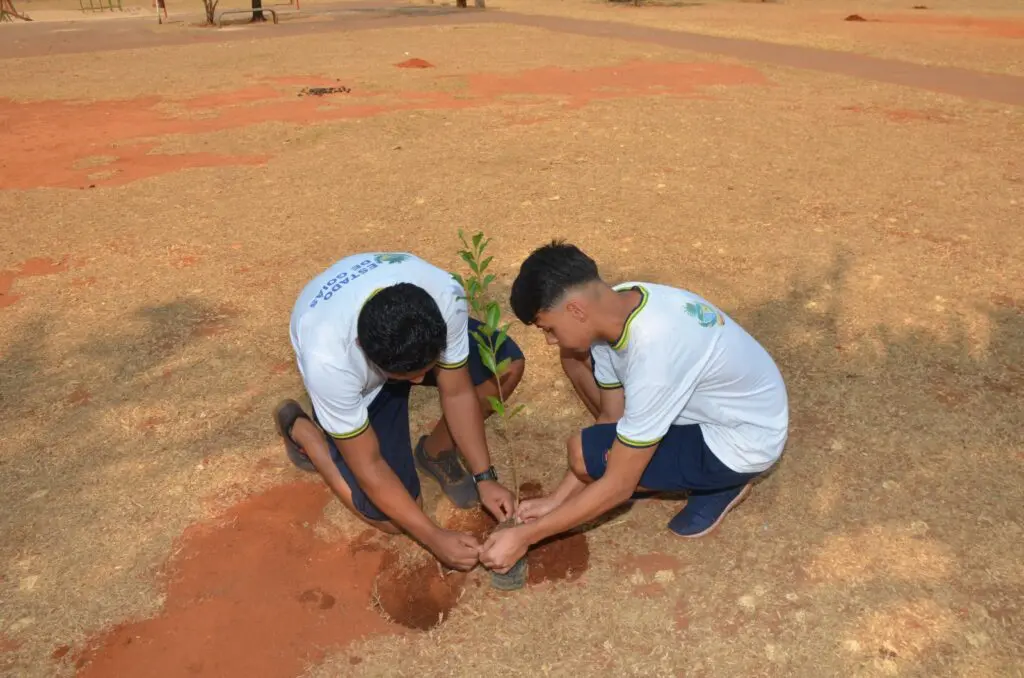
(401, 329)
(546, 275)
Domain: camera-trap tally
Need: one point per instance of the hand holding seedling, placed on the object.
(532, 509)
(504, 548)
(497, 499)
(457, 550)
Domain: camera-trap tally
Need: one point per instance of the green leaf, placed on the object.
(485, 263)
(459, 279)
(493, 317)
(488, 360)
(496, 405)
(477, 238)
(502, 336)
(517, 410)
(468, 258)
(480, 339)
(483, 246)
(503, 366)
(488, 279)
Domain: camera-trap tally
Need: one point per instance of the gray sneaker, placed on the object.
(447, 470)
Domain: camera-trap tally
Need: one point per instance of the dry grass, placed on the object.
(819, 23)
(878, 260)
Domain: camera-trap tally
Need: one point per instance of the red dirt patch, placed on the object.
(79, 397)
(281, 368)
(530, 490)
(415, 63)
(27, 269)
(477, 522)
(899, 114)
(562, 558)
(419, 597)
(41, 149)
(650, 563)
(855, 17)
(253, 593)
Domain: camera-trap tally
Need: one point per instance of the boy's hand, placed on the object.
(532, 509)
(457, 550)
(497, 500)
(503, 549)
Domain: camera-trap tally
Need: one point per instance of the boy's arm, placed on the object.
(625, 467)
(613, 405)
(461, 409)
(336, 396)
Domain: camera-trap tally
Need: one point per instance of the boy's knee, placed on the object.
(516, 369)
(574, 448)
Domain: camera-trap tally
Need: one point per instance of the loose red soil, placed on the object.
(418, 597)
(27, 269)
(79, 397)
(562, 558)
(415, 63)
(42, 149)
(256, 593)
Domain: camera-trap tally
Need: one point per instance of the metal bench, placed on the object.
(281, 6)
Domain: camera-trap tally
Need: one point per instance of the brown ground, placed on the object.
(165, 201)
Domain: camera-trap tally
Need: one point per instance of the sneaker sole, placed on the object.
(732, 504)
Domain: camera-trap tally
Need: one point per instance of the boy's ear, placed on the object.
(576, 309)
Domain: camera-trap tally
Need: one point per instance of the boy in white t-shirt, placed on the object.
(364, 331)
(684, 399)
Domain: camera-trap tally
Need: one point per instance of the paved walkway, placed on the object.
(52, 38)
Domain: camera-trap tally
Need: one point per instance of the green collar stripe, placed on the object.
(620, 343)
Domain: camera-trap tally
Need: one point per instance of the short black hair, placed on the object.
(401, 329)
(546, 275)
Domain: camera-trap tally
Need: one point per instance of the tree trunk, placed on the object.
(256, 14)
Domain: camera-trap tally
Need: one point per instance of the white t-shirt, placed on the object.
(340, 380)
(682, 361)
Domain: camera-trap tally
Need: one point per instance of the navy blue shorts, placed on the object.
(683, 461)
(389, 418)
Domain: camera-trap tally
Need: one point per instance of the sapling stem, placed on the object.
(491, 336)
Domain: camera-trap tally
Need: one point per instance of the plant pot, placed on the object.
(515, 578)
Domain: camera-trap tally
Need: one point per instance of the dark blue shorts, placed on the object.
(683, 461)
(389, 418)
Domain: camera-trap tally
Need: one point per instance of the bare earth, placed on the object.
(850, 191)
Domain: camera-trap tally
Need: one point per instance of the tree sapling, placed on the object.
(490, 339)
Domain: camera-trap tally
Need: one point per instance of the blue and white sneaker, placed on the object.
(704, 511)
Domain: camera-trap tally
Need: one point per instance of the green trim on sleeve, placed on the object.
(354, 434)
(608, 387)
(636, 444)
(454, 366)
